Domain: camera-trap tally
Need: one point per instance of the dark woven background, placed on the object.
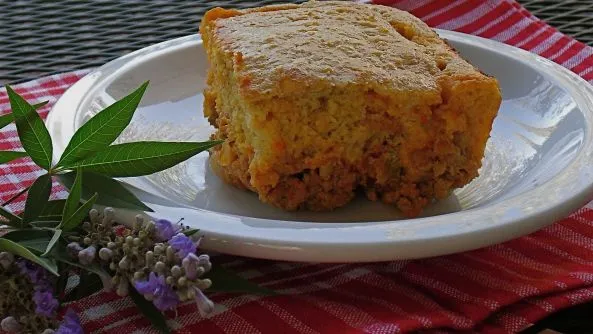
(39, 38)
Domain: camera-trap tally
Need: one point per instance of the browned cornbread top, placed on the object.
(283, 50)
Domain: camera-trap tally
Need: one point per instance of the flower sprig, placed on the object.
(152, 260)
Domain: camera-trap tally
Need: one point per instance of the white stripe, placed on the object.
(439, 11)
(467, 18)
(578, 58)
(565, 48)
(450, 290)
(386, 284)
(532, 36)
(494, 22)
(484, 278)
(547, 43)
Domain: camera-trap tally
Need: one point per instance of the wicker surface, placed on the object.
(45, 37)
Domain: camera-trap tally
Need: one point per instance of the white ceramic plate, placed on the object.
(537, 168)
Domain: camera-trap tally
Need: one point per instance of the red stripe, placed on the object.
(501, 9)
(428, 9)
(538, 39)
(572, 51)
(204, 326)
(262, 318)
(526, 32)
(462, 8)
(557, 46)
(317, 318)
(502, 26)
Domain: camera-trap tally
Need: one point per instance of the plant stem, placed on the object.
(10, 200)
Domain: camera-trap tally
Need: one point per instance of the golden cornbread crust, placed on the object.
(318, 100)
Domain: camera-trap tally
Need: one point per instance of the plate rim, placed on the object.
(332, 250)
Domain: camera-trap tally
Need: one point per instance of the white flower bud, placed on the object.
(111, 245)
(87, 255)
(149, 258)
(94, 215)
(105, 254)
(74, 248)
(204, 284)
(108, 214)
(190, 293)
(86, 226)
(182, 281)
(160, 267)
(87, 241)
(159, 249)
(124, 263)
(10, 325)
(48, 331)
(170, 280)
(176, 271)
(6, 259)
(170, 252)
(149, 227)
(205, 305)
(136, 241)
(138, 223)
(122, 288)
(138, 276)
(130, 240)
(112, 266)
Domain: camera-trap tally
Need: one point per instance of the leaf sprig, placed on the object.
(87, 167)
(89, 156)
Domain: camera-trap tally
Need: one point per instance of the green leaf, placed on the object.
(78, 216)
(149, 310)
(54, 239)
(226, 281)
(111, 192)
(8, 118)
(46, 223)
(141, 158)
(37, 198)
(5, 120)
(191, 231)
(13, 220)
(40, 105)
(73, 198)
(32, 131)
(7, 156)
(52, 210)
(33, 239)
(17, 249)
(100, 131)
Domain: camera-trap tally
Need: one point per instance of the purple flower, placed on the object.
(182, 244)
(70, 324)
(195, 266)
(205, 305)
(36, 274)
(45, 302)
(164, 297)
(165, 230)
(87, 255)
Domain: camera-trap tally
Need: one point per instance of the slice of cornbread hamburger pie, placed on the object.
(319, 100)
